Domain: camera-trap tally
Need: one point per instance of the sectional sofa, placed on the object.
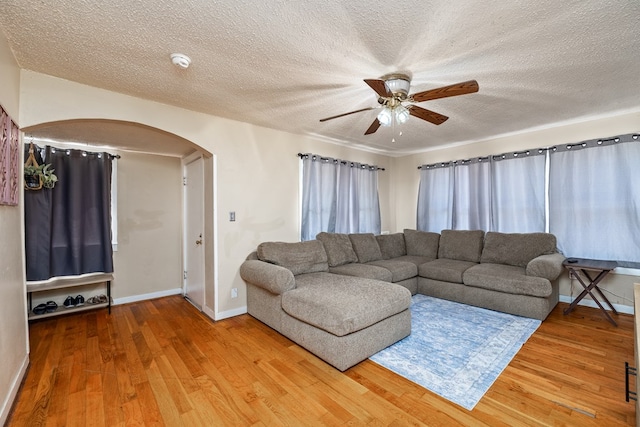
(346, 297)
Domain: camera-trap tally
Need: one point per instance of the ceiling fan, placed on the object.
(393, 93)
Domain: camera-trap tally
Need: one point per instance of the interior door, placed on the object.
(194, 232)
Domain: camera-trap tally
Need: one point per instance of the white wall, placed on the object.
(406, 178)
(257, 169)
(13, 336)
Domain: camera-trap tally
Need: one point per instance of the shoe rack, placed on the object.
(72, 282)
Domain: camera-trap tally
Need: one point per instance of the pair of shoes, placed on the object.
(74, 302)
(48, 307)
(51, 306)
(98, 299)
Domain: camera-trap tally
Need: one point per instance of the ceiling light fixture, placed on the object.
(393, 114)
(180, 60)
(385, 117)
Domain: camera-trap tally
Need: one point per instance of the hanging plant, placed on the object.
(37, 176)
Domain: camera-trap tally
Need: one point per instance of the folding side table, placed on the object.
(580, 268)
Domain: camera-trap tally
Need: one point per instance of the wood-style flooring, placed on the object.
(161, 362)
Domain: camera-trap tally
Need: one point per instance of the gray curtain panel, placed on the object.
(472, 195)
(518, 193)
(594, 199)
(68, 228)
(435, 198)
(338, 197)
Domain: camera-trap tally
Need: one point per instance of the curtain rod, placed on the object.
(344, 162)
(515, 154)
(70, 146)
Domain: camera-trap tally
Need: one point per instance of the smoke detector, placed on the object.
(180, 60)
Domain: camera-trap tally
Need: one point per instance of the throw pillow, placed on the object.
(366, 247)
(338, 248)
(422, 243)
(391, 245)
(516, 249)
(461, 245)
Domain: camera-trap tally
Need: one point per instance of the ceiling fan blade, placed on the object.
(379, 86)
(346, 114)
(374, 127)
(428, 115)
(463, 88)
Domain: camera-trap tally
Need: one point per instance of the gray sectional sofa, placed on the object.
(346, 297)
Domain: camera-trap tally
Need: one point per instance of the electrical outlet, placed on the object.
(234, 292)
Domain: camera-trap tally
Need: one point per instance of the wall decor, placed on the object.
(9, 160)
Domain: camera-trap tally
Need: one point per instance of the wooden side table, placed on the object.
(579, 268)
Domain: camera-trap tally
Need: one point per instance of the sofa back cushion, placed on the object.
(366, 247)
(421, 243)
(338, 248)
(516, 249)
(391, 245)
(299, 257)
(461, 245)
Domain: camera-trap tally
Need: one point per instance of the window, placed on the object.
(593, 196)
(594, 202)
(338, 196)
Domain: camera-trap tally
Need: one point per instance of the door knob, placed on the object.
(199, 242)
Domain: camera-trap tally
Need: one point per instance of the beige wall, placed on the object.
(257, 169)
(149, 255)
(13, 337)
(406, 177)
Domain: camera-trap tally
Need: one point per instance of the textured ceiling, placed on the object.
(286, 64)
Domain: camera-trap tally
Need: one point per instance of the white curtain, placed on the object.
(594, 200)
(472, 195)
(518, 193)
(503, 193)
(338, 196)
(435, 198)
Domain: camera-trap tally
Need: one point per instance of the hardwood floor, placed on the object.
(161, 362)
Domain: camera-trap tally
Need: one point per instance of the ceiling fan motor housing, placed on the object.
(398, 84)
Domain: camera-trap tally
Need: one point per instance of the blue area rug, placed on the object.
(455, 350)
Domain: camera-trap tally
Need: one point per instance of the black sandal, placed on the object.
(51, 306)
(40, 309)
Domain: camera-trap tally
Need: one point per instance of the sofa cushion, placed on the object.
(421, 243)
(391, 245)
(299, 257)
(461, 245)
(414, 259)
(506, 278)
(516, 249)
(338, 248)
(443, 269)
(366, 247)
(400, 270)
(367, 271)
(341, 305)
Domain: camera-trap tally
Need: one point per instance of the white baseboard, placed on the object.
(178, 291)
(229, 313)
(209, 312)
(626, 309)
(152, 295)
(13, 391)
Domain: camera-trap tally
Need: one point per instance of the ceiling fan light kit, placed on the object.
(393, 91)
